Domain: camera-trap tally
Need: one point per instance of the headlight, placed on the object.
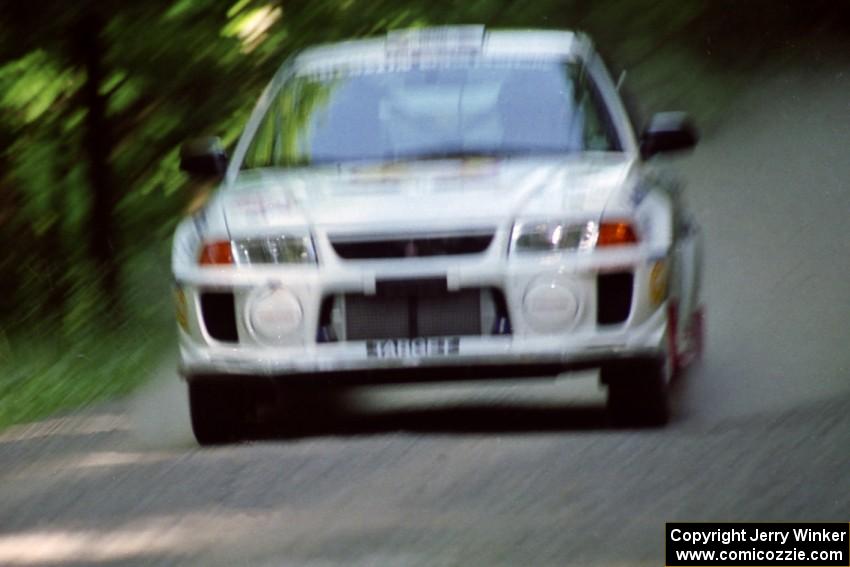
(280, 249)
(550, 236)
(283, 249)
(553, 236)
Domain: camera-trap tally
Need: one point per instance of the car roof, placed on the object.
(444, 43)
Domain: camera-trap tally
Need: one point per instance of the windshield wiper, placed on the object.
(477, 153)
(433, 154)
(446, 153)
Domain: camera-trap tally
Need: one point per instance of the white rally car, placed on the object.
(436, 205)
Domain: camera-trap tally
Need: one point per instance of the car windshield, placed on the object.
(492, 109)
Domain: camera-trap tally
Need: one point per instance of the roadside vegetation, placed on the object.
(96, 97)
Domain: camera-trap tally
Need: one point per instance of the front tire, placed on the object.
(218, 411)
(638, 395)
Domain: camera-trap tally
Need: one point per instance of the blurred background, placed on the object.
(97, 95)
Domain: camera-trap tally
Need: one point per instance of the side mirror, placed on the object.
(203, 157)
(668, 132)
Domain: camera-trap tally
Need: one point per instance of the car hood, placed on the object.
(429, 195)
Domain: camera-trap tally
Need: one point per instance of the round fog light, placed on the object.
(550, 306)
(276, 314)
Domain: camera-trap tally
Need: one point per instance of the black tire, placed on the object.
(638, 395)
(218, 410)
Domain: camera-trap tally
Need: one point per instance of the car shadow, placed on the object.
(476, 419)
(315, 413)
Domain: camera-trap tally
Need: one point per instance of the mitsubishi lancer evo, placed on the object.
(438, 204)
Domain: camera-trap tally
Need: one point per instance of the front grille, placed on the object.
(416, 308)
(219, 314)
(411, 247)
(395, 316)
(373, 317)
(613, 297)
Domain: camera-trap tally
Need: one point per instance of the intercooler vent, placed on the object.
(219, 312)
(613, 297)
(421, 315)
(415, 308)
(416, 247)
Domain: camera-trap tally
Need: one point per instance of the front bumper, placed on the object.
(526, 352)
(477, 358)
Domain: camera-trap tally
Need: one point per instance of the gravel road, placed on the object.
(509, 474)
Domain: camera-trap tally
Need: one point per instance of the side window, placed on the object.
(260, 152)
(634, 111)
(286, 132)
(599, 131)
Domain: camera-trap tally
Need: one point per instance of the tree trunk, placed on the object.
(55, 252)
(103, 238)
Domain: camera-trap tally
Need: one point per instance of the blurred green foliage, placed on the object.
(97, 95)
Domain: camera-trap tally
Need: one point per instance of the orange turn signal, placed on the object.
(216, 253)
(616, 234)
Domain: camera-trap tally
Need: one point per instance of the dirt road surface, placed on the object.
(511, 475)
